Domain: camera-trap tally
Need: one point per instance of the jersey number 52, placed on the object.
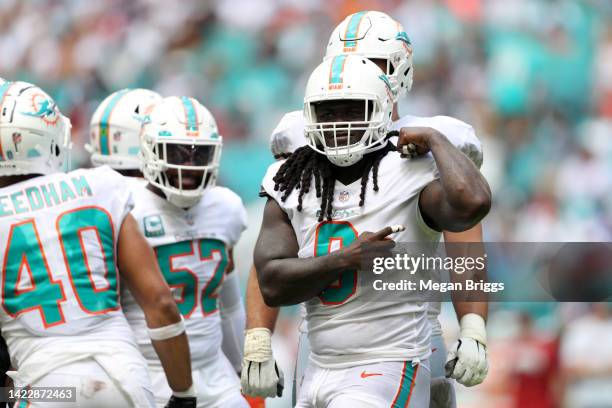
(212, 256)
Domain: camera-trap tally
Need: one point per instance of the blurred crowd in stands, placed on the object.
(534, 77)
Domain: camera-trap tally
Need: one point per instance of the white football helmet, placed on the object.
(348, 78)
(115, 128)
(176, 127)
(375, 35)
(34, 135)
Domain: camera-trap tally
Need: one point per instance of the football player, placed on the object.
(192, 224)
(115, 141)
(376, 36)
(320, 199)
(64, 240)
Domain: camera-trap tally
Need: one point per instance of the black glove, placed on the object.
(177, 402)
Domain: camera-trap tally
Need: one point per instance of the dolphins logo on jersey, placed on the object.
(44, 108)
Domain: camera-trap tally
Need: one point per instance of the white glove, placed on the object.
(261, 376)
(466, 361)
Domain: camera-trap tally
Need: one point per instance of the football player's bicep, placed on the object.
(138, 265)
(276, 238)
(430, 204)
(438, 213)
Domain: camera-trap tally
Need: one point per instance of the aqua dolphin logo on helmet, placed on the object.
(44, 109)
(390, 90)
(403, 36)
(28, 144)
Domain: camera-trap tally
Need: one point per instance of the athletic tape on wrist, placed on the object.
(167, 332)
(473, 327)
(188, 393)
(258, 345)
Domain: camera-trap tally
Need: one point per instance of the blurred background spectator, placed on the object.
(587, 361)
(533, 77)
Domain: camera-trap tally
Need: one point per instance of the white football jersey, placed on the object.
(350, 324)
(60, 282)
(191, 246)
(289, 135)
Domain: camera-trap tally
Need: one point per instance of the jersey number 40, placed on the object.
(25, 254)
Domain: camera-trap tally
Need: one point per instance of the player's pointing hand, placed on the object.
(370, 244)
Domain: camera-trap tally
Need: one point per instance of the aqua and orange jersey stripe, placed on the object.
(352, 29)
(404, 392)
(3, 91)
(191, 117)
(105, 121)
(336, 70)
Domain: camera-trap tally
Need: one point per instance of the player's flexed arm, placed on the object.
(284, 278)
(461, 197)
(455, 202)
(140, 272)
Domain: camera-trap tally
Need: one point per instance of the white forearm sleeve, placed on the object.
(233, 320)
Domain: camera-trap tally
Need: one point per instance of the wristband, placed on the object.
(473, 327)
(188, 393)
(258, 345)
(167, 332)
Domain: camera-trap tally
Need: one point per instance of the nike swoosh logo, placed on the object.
(366, 375)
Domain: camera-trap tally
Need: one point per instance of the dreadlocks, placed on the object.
(297, 171)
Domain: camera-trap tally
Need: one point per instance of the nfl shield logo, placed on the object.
(344, 196)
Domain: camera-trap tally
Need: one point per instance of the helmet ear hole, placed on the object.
(57, 150)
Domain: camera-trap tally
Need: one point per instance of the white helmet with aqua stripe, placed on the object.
(34, 135)
(347, 108)
(115, 128)
(376, 36)
(181, 149)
